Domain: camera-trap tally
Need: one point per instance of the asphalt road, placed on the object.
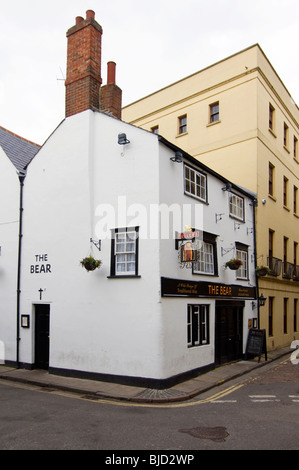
(256, 412)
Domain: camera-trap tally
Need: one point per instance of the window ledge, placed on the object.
(273, 133)
(287, 208)
(182, 134)
(272, 197)
(213, 123)
(296, 160)
(286, 149)
(130, 276)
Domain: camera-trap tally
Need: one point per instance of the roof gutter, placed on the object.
(205, 168)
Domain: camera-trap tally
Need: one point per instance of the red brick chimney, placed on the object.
(111, 94)
(83, 79)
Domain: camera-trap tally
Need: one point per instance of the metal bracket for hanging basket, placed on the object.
(98, 244)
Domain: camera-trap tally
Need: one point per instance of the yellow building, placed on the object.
(238, 118)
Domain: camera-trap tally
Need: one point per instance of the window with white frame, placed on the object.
(197, 325)
(124, 252)
(236, 207)
(205, 259)
(195, 183)
(242, 254)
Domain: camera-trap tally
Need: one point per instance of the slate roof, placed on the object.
(19, 150)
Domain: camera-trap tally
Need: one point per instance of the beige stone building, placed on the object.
(238, 118)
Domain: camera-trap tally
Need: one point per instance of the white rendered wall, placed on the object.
(98, 324)
(178, 357)
(9, 230)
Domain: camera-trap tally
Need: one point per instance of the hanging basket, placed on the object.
(90, 264)
(234, 264)
(262, 270)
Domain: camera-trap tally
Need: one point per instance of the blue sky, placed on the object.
(153, 43)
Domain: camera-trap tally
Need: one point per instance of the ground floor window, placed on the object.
(198, 325)
(124, 252)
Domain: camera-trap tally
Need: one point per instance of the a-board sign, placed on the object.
(256, 343)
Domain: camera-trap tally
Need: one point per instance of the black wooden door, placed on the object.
(228, 332)
(42, 335)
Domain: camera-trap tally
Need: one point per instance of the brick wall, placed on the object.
(83, 79)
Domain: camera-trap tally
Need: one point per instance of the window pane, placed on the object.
(125, 252)
(195, 183)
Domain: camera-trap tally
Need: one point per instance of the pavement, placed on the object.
(94, 389)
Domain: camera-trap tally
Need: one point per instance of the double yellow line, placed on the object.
(116, 402)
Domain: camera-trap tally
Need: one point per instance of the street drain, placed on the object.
(218, 434)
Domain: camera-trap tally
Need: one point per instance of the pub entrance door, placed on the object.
(42, 342)
(228, 331)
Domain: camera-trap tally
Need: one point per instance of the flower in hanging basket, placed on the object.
(90, 264)
(262, 270)
(234, 264)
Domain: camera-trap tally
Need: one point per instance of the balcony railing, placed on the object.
(274, 265)
(296, 273)
(288, 270)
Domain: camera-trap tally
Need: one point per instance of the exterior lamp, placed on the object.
(227, 187)
(122, 139)
(262, 300)
(178, 157)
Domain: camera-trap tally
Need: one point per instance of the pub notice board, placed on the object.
(256, 343)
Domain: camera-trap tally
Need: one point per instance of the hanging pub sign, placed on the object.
(188, 246)
(188, 252)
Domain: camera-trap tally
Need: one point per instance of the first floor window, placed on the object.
(124, 252)
(197, 325)
(242, 272)
(205, 259)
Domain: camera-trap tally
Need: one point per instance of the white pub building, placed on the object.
(138, 262)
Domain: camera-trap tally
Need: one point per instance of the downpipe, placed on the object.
(21, 176)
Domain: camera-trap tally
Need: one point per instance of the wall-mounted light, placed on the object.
(178, 157)
(227, 187)
(122, 139)
(260, 301)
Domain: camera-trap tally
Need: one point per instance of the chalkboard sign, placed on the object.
(256, 343)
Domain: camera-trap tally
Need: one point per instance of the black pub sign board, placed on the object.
(182, 288)
(256, 343)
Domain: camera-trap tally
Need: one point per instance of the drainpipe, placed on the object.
(21, 176)
(254, 204)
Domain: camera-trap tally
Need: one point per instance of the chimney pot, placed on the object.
(111, 67)
(79, 19)
(90, 14)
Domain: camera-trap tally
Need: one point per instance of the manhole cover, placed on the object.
(218, 434)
